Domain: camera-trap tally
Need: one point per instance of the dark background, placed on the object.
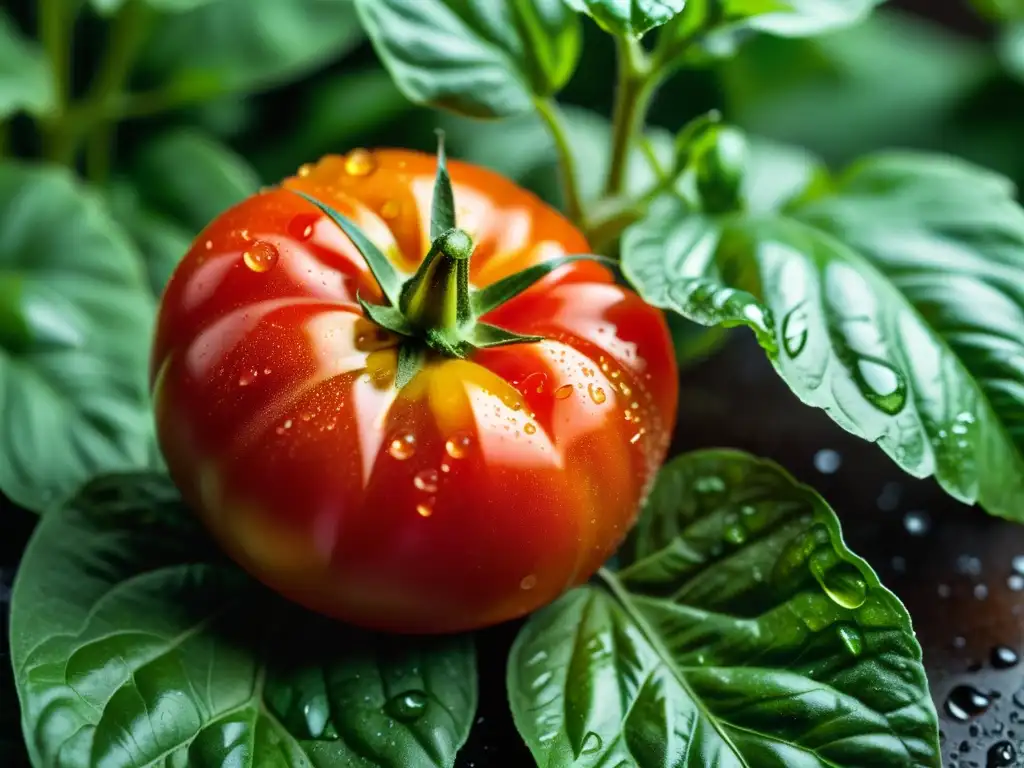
(951, 565)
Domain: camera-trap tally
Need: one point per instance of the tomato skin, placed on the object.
(475, 494)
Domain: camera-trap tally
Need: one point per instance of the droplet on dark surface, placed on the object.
(827, 461)
(407, 706)
(1018, 564)
(1004, 657)
(1015, 582)
(980, 591)
(965, 702)
(1001, 755)
(917, 523)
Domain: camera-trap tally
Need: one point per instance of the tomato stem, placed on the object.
(436, 299)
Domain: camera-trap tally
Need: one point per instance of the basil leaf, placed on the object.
(895, 303)
(229, 46)
(192, 177)
(712, 29)
(135, 642)
(75, 324)
(630, 18)
(26, 82)
(475, 57)
(740, 631)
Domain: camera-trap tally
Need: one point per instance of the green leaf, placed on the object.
(740, 631)
(134, 643)
(230, 46)
(161, 242)
(1011, 49)
(629, 18)
(506, 289)
(895, 302)
(712, 29)
(192, 178)
(26, 82)
(75, 323)
(836, 94)
(110, 7)
(442, 209)
(475, 57)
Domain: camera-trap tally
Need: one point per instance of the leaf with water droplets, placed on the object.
(135, 642)
(893, 300)
(686, 656)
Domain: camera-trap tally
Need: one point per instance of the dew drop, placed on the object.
(591, 744)
(794, 331)
(1001, 755)
(407, 706)
(563, 391)
(917, 523)
(1004, 657)
(881, 385)
(841, 581)
(458, 445)
(529, 428)
(528, 582)
(965, 702)
(390, 209)
(426, 480)
(360, 163)
(402, 446)
(852, 639)
(261, 256)
(827, 461)
(596, 393)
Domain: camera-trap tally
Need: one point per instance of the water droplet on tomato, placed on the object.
(529, 428)
(624, 389)
(458, 445)
(391, 209)
(425, 508)
(208, 245)
(261, 256)
(305, 169)
(596, 393)
(360, 163)
(563, 391)
(247, 378)
(407, 706)
(426, 480)
(402, 446)
(528, 582)
(445, 468)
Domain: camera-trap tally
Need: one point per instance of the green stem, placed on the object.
(107, 87)
(552, 117)
(632, 99)
(55, 22)
(436, 299)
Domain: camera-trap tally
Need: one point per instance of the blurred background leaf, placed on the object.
(26, 82)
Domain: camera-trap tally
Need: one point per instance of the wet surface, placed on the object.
(959, 571)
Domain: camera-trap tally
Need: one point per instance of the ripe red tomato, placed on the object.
(474, 494)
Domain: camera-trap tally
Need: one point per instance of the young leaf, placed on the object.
(710, 29)
(230, 46)
(895, 303)
(740, 631)
(76, 316)
(476, 57)
(629, 18)
(26, 82)
(134, 642)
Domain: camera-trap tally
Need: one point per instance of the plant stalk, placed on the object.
(55, 21)
(552, 117)
(437, 299)
(632, 98)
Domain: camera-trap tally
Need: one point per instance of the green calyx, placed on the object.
(435, 309)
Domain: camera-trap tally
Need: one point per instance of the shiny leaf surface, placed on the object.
(75, 326)
(629, 18)
(135, 643)
(739, 632)
(895, 302)
(475, 57)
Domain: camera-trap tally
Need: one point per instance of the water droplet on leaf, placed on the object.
(407, 706)
(852, 639)
(881, 384)
(794, 331)
(591, 744)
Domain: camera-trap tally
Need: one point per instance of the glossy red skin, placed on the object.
(276, 406)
